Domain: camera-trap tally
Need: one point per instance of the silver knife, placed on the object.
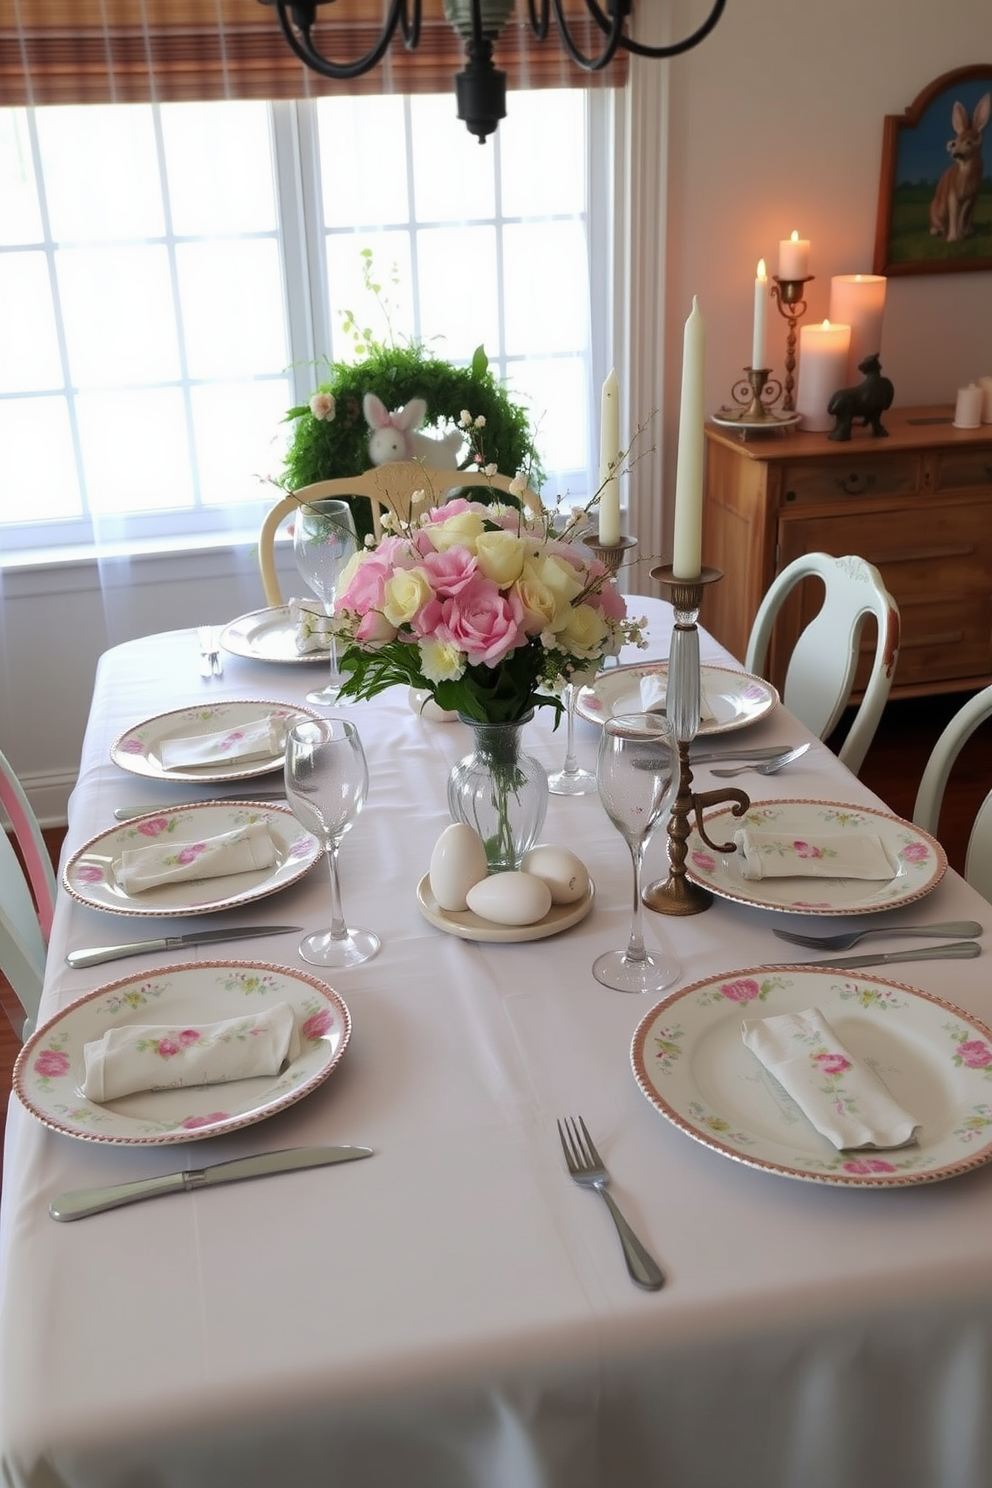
(958, 950)
(715, 756)
(80, 1202)
(95, 954)
(128, 813)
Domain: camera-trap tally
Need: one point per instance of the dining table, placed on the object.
(454, 1311)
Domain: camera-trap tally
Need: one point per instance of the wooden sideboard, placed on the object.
(917, 504)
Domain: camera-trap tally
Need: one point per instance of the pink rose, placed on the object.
(132, 746)
(480, 622)
(451, 571)
(317, 1024)
(189, 1036)
(611, 602)
(975, 1054)
(704, 862)
(167, 1047)
(154, 826)
(51, 1063)
(916, 852)
(807, 849)
(365, 589)
(89, 873)
(190, 852)
(832, 1064)
(868, 1165)
(373, 628)
(743, 990)
(192, 1122)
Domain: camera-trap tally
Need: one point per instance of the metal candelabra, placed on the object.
(790, 297)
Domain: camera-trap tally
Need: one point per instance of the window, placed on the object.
(174, 277)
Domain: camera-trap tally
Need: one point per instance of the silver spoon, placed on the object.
(769, 767)
(843, 942)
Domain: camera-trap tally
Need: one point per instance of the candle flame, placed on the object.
(795, 236)
(762, 271)
(826, 325)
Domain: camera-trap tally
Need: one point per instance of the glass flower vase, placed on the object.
(500, 791)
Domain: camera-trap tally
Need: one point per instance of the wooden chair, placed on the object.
(27, 898)
(387, 488)
(933, 783)
(820, 675)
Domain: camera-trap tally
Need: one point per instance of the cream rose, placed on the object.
(405, 594)
(500, 556)
(565, 581)
(463, 530)
(584, 632)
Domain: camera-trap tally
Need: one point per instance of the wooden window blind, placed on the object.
(171, 51)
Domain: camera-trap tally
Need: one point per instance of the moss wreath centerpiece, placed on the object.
(331, 435)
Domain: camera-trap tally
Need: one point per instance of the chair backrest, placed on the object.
(933, 782)
(820, 676)
(388, 488)
(27, 897)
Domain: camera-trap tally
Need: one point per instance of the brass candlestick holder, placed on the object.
(790, 297)
(677, 895)
(612, 554)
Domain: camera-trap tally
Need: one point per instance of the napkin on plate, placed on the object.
(261, 738)
(313, 625)
(140, 868)
(843, 1098)
(159, 1057)
(654, 689)
(837, 855)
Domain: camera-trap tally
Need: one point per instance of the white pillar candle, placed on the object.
(858, 300)
(968, 410)
(609, 458)
(760, 305)
(985, 383)
(687, 560)
(793, 258)
(822, 371)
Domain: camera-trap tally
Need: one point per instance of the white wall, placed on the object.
(774, 123)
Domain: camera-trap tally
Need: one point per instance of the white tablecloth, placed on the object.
(454, 1312)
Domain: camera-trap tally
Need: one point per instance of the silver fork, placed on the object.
(842, 942)
(586, 1167)
(769, 767)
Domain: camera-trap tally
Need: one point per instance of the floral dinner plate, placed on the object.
(691, 1063)
(89, 874)
(734, 699)
(268, 635)
(139, 749)
(49, 1070)
(921, 860)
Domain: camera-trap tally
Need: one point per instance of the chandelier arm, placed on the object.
(304, 13)
(675, 50)
(611, 26)
(539, 22)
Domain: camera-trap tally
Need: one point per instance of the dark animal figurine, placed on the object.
(867, 402)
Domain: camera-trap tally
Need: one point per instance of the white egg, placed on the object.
(457, 862)
(566, 875)
(510, 899)
(421, 700)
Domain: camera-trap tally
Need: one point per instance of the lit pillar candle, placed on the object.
(687, 560)
(858, 300)
(793, 258)
(609, 458)
(822, 371)
(760, 304)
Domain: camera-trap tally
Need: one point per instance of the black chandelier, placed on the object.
(481, 87)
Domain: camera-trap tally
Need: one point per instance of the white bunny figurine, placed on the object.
(394, 435)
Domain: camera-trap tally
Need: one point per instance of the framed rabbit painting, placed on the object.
(935, 197)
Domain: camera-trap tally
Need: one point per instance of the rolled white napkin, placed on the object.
(844, 1099)
(240, 851)
(654, 690)
(314, 626)
(163, 1057)
(261, 738)
(838, 855)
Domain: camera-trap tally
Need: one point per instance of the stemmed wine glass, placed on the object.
(571, 779)
(324, 538)
(327, 779)
(637, 776)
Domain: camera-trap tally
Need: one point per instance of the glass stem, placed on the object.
(571, 763)
(338, 930)
(635, 946)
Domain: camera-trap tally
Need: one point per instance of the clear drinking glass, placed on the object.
(324, 538)
(327, 779)
(637, 774)
(571, 779)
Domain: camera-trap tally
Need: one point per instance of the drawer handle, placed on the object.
(855, 484)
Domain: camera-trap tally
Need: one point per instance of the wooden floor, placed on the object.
(892, 769)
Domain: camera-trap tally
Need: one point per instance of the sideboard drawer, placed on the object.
(965, 470)
(858, 475)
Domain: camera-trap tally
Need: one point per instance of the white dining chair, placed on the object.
(933, 783)
(27, 897)
(388, 488)
(820, 676)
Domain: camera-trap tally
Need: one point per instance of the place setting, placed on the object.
(227, 741)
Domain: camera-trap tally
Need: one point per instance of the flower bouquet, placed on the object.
(491, 613)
